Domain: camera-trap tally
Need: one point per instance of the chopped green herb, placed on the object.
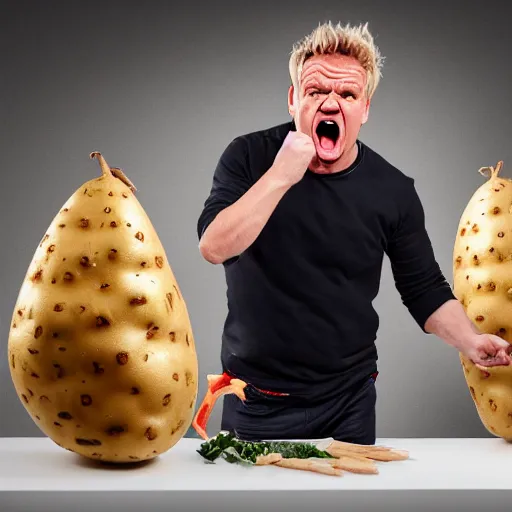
(233, 450)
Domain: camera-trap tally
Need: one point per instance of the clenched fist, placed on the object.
(294, 157)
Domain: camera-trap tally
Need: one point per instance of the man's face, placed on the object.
(331, 106)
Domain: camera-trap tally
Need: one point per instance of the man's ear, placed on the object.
(366, 111)
(291, 105)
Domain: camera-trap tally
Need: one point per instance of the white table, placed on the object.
(441, 474)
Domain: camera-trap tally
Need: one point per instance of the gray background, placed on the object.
(162, 89)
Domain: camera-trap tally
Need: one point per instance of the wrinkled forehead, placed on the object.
(331, 70)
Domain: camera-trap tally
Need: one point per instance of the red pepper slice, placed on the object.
(218, 385)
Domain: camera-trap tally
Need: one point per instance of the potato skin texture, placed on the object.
(101, 349)
(482, 282)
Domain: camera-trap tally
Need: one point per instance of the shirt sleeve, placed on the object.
(231, 179)
(418, 277)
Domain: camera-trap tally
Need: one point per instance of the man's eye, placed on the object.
(348, 94)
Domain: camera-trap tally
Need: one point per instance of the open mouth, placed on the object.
(328, 133)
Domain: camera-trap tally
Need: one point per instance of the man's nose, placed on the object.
(330, 104)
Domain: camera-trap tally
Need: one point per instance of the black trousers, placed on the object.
(349, 417)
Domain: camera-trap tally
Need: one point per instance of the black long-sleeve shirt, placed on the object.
(300, 315)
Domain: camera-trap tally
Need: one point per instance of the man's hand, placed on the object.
(293, 158)
(488, 350)
(451, 323)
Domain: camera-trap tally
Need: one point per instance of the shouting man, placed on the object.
(300, 215)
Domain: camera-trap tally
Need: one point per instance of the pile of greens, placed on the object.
(227, 446)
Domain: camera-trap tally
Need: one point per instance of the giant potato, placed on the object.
(482, 272)
(101, 349)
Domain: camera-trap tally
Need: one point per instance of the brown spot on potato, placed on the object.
(462, 231)
(65, 415)
(178, 426)
(33, 351)
(116, 430)
(55, 334)
(60, 370)
(58, 307)
(122, 358)
(54, 280)
(479, 318)
(152, 329)
(479, 286)
(113, 224)
(124, 195)
(167, 400)
(37, 276)
(110, 194)
(13, 362)
(128, 224)
(169, 299)
(133, 457)
(491, 286)
(176, 377)
(138, 301)
(492, 405)
(57, 424)
(104, 286)
(62, 349)
(98, 369)
(177, 291)
(139, 236)
(143, 264)
(475, 228)
(87, 442)
(188, 378)
(496, 210)
(62, 225)
(150, 434)
(491, 249)
(85, 400)
(25, 398)
(101, 321)
(172, 336)
(159, 261)
(37, 417)
(30, 392)
(187, 340)
(45, 237)
(51, 248)
(146, 357)
(35, 375)
(134, 391)
(82, 309)
(112, 254)
(44, 398)
(107, 209)
(501, 234)
(84, 223)
(68, 276)
(85, 262)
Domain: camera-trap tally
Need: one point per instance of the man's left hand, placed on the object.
(488, 350)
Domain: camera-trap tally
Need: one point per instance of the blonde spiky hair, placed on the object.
(354, 41)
